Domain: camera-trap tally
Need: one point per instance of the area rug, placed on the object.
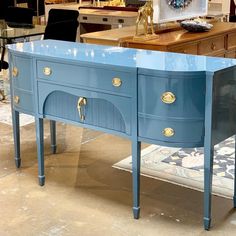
(184, 167)
(5, 115)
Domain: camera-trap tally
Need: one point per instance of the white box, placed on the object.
(164, 13)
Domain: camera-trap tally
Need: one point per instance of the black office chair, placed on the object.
(57, 15)
(63, 30)
(39, 10)
(4, 4)
(19, 17)
(62, 25)
(232, 15)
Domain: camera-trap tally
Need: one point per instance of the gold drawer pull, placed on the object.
(47, 71)
(16, 99)
(168, 97)
(15, 71)
(116, 82)
(168, 132)
(213, 46)
(81, 103)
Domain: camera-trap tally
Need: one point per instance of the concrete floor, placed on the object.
(84, 195)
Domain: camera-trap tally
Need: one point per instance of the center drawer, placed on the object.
(80, 106)
(101, 79)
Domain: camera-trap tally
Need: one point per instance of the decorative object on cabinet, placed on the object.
(145, 17)
(196, 26)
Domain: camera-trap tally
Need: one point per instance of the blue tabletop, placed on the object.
(118, 56)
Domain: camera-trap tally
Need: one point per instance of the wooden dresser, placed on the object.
(220, 41)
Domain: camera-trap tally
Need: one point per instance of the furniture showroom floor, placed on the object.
(84, 195)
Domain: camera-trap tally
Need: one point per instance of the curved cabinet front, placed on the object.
(85, 107)
(175, 101)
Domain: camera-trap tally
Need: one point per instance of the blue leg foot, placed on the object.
(41, 180)
(234, 199)
(136, 212)
(53, 149)
(18, 162)
(207, 223)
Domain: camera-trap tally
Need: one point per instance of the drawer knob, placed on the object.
(168, 97)
(168, 132)
(213, 46)
(47, 71)
(16, 99)
(81, 103)
(116, 82)
(15, 71)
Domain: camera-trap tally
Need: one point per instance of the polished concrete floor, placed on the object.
(84, 195)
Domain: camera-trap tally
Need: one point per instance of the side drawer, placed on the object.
(231, 41)
(172, 131)
(21, 73)
(124, 20)
(212, 45)
(175, 95)
(230, 54)
(95, 19)
(185, 48)
(23, 100)
(108, 80)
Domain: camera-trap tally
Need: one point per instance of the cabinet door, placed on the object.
(21, 73)
(171, 109)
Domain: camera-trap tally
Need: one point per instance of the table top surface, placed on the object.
(7, 32)
(144, 60)
(162, 39)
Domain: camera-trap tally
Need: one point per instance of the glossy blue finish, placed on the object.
(147, 61)
(203, 113)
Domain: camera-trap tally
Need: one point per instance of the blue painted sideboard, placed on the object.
(146, 96)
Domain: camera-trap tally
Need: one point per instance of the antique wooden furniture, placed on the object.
(146, 96)
(220, 41)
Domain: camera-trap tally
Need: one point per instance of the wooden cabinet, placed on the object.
(220, 41)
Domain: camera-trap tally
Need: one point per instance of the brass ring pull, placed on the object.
(16, 99)
(81, 103)
(213, 46)
(15, 71)
(47, 71)
(168, 132)
(116, 82)
(168, 97)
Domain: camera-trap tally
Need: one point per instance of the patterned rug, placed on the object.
(184, 166)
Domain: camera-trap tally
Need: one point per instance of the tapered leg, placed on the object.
(16, 135)
(208, 171)
(40, 150)
(53, 136)
(234, 198)
(136, 148)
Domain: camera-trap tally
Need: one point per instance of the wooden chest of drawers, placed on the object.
(220, 41)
